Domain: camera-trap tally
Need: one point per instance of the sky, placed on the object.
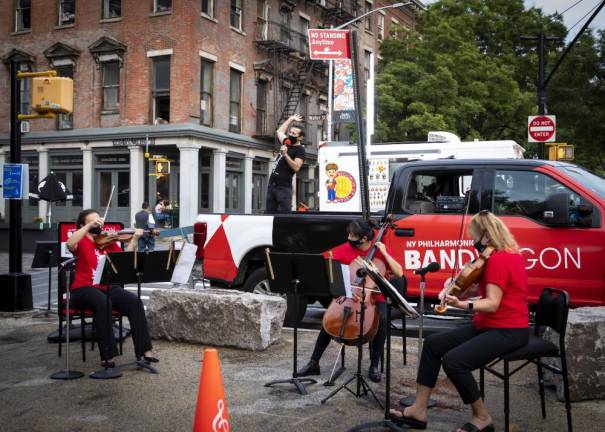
(571, 17)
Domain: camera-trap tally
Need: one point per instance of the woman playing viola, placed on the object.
(86, 295)
(500, 325)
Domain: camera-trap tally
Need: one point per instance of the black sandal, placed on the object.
(409, 421)
(469, 427)
(108, 364)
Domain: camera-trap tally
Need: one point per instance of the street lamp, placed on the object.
(331, 64)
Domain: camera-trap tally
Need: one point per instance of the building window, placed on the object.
(367, 25)
(67, 12)
(208, 7)
(111, 85)
(394, 28)
(112, 9)
(235, 101)
(65, 121)
(25, 86)
(233, 185)
(23, 15)
(206, 85)
(304, 28)
(162, 6)
(380, 26)
(259, 184)
(161, 90)
(367, 62)
(261, 107)
(236, 14)
(303, 108)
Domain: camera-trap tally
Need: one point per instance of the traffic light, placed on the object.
(560, 151)
(162, 166)
(52, 95)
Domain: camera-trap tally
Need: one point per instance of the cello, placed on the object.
(342, 319)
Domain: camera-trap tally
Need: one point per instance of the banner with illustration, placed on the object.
(344, 101)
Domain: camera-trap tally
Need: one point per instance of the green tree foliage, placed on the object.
(465, 69)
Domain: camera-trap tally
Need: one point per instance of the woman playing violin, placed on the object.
(85, 295)
(360, 235)
(500, 325)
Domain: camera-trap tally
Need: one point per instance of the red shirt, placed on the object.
(346, 254)
(507, 270)
(88, 258)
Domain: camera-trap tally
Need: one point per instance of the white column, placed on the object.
(87, 176)
(248, 183)
(137, 180)
(219, 172)
(188, 185)
(42, 172)
(2, 201)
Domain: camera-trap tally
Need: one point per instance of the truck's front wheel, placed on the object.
(258, 283)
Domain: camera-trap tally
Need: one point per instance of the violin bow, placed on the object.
(113, 187)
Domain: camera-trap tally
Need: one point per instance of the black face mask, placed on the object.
(355, 243)
(95, 230)
(293, 139)
(479, 246)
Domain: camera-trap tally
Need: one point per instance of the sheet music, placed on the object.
(99, 270)
(346, 275)
(184, 264)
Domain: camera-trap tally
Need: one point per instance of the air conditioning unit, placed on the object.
(25, 127)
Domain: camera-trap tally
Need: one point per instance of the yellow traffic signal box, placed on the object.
(52, 95)
(561, 152)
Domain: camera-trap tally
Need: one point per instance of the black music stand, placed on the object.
(135, 267)
(46, 256)
(289, 273)
(393, 298)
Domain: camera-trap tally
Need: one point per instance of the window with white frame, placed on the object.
(368, 20)
(206, 86)
(235, 101)
(23, 15)
(65, 121)
(160, 90)
(208, 7)
(162, 6)
(380, 26)
(67, 12)
(110, 81)
(112, 9)
(236, 15)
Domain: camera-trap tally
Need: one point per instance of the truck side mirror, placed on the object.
(585, 211)
(557, 211)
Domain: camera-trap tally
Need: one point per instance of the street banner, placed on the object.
(344, 100)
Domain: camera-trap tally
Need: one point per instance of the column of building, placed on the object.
(219, 171)
(189, 181)
(248, 185)
(87, 176)
(137, 180)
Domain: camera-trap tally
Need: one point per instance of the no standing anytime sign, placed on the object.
(326, 44)
(542, 128)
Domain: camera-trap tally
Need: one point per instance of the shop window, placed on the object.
(206, 87)
(259, 185)
(236, 15)
(23, 15)
(67, 12)
(65, 121)
(234, 185)
(208, 8)
(161, 90)
(261, 107)
(162, 6)
(235, 101)
(77, 188)
(112, 9)
(123, 189)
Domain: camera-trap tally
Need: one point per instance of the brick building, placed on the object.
(203, 83)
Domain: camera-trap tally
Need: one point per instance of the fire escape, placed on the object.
(337, 12)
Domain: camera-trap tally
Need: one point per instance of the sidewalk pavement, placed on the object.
(140, 401)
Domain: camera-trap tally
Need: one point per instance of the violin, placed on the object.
(107, 238)
(470, 274)
(342, 319)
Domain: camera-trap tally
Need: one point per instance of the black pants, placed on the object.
(376, 344)
(122, 301)
(279, 199)
(461, 351)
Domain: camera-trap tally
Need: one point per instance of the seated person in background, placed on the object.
(144, 220)
(85, 295)
(160, 216)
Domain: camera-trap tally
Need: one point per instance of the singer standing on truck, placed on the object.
(287, 163)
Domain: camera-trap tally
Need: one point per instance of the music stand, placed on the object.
(135, 267)
(46, 256)
(289, 273)
(393, 297)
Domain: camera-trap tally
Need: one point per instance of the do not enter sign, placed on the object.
(542, 128)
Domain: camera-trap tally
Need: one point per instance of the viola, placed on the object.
(470, 274)
(106, 238)
(342, 319)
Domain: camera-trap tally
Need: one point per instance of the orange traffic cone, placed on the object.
(211, 412)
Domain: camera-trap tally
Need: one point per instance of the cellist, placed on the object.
(359, 241)
(500, 325)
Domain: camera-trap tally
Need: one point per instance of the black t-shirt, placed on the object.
(282, 173)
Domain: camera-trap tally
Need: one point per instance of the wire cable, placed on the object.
(582, 19)
(569, 8)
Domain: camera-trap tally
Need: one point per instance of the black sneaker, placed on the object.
(374, 374)
(311, 368)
